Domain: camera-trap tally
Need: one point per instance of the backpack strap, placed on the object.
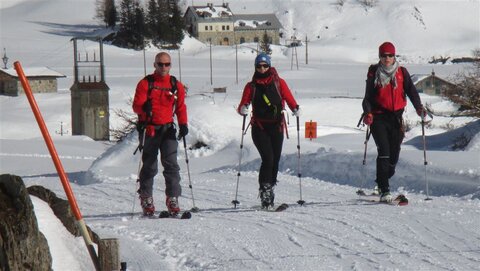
(150, 80)
(173, 83)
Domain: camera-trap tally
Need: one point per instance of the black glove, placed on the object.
(183, 131)
(147, 108)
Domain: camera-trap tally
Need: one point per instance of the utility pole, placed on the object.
(236, 62)
(179, 65)
(306, 50)
(211, 67)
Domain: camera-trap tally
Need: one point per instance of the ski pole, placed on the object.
(194, 209)
(425, 163)
(364, 162)
(235, 201)
(140, 164)
(300, 201)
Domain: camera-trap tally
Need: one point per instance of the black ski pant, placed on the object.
(164, 141)
(268, 139)
(387, 131)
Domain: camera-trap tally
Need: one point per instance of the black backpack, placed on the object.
(150, 79)
(267, 102)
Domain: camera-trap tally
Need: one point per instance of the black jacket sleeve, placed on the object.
(368, 99)
(411, 90)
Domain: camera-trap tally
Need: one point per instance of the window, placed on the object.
(223, 27)
(242, 40)
(206, 28)
(228, 27)
(211, 28)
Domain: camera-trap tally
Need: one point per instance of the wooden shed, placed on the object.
(41, 79)
(430, 83)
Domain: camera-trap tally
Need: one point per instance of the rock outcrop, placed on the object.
(22, 245)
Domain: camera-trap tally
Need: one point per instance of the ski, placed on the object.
(282, 207)
(400, 200)
(183, 215)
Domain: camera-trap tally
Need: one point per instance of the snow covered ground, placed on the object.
(335, 230)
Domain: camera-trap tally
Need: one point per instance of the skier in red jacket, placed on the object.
(388, 85)
(158, 98)
(267, 93)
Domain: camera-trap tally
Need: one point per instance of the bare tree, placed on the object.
(128, 125)
(466, 91)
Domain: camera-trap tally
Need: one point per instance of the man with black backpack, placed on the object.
(388, 85)
(267, 93)
(158, 97)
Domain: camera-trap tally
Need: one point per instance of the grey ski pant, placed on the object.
(165, 142)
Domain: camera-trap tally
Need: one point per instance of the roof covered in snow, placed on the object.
(34, 72)
(258, 21)
(211, 12)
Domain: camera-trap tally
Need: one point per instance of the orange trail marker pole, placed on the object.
(58, 165)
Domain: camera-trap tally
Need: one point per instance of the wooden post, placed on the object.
(109, 254)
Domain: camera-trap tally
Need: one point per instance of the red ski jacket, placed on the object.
(164, 103)
(385, 99)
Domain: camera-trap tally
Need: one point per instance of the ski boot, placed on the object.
(267, 196)
(386, 197)
(376, 190)
(172, 205)
(147, 205)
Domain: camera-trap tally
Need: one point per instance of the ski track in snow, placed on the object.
(334, 229)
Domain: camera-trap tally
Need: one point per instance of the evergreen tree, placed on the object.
(138, 39)
(177, 25)
(163, 26)
(151, 17)
(132, 25)
(265, 44)
(106, 12)
(110, 13)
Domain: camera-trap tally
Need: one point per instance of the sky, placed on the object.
(335, 229)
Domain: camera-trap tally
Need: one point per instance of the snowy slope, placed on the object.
(335, 230)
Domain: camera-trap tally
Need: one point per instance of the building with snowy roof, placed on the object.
(41, 80)
(220, 26)
(430, 83)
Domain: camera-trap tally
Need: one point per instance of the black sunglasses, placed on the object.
(387, 55)
(160, 64)
(266, 66)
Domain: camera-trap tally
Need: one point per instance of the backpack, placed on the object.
(173, 90)
(151, 80)
(267, 104)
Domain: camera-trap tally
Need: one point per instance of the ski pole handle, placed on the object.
(243, 124)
